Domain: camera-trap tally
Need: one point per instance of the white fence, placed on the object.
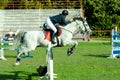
(29, 19)
(33, 18)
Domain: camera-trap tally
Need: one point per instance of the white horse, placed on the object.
(32, 39)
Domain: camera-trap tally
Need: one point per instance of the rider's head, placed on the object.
(65, 12)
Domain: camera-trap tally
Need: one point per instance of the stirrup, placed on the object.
(53, 42)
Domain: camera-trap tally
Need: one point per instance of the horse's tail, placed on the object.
(17, 41)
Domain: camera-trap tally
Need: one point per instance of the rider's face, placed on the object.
(65, 16)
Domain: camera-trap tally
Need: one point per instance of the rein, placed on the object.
(69, 30)
(66, 30)
(76, 32)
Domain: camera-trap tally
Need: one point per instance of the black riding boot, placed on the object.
(52, 38)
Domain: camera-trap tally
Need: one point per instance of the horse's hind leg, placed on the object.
(18, 59)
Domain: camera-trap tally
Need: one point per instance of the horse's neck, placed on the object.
(71, 27)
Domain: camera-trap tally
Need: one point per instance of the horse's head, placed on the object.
(83, 25)
(87, 27)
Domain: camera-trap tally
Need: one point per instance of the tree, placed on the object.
(3, 4)
(101, 12)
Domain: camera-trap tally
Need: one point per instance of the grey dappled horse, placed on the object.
(32, 39)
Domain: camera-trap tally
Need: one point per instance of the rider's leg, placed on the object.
(52, 27)
(52, 36)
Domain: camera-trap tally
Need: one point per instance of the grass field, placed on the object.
(89, 62)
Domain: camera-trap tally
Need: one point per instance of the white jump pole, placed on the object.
(50, 62)
(2, 54)
(49, 59)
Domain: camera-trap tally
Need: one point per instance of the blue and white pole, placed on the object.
(7, 39)
(5, 43)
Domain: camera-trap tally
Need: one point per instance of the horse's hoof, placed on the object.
(16, 64)
(69, 52)
(3, 59)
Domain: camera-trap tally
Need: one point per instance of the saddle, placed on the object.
(48, 33)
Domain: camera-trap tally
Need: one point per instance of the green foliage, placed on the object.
(101, 12)
(3, 4)
(39, 4)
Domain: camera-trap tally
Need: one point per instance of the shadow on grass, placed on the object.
(31, 75)
(100, 56)
(10, 56)
(18, 75)
(108, 43)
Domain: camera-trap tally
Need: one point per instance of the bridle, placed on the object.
(66, 30)
(80, 18)
(78, 30)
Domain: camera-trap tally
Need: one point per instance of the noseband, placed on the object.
(81, 19)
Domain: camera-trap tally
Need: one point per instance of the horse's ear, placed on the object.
(74, 19)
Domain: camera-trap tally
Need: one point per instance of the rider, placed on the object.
(52, 21)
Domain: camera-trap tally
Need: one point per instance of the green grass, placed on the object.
(89, 62)
(101, 39)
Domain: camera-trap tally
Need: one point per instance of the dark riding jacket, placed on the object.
(59, 19)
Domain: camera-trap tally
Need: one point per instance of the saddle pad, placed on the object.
(47, 35)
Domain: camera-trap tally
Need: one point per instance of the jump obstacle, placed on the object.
(9, 44)
(5, 44)
(115, 46)
(49, 58)
(7, 39)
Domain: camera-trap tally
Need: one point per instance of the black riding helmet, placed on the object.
(65, 12)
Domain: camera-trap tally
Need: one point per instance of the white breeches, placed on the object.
(50, 25)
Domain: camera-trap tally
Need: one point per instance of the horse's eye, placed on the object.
(85, 24)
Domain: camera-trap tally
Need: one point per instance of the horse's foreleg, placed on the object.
(18, 59)
(71, 50)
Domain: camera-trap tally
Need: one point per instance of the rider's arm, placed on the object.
(64, 22)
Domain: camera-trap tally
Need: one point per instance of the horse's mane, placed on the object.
(73, 22)
(69, 25)
(78, 18)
